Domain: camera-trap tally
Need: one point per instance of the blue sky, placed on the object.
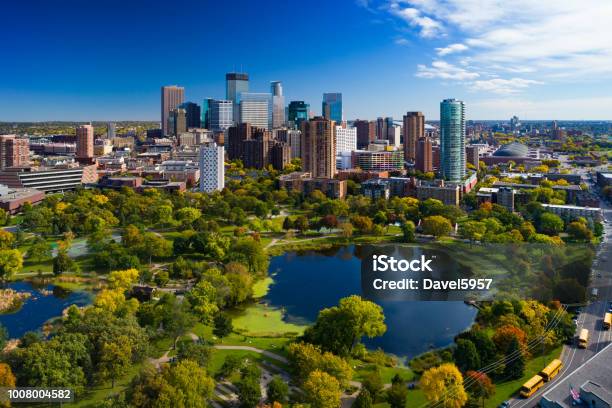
(94, 60)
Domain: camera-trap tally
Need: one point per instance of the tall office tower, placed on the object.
(235, 84)
(278, 104)
(171, 97)
(452, 140)
(319, 147)
(332, 106)
(110, 130)
(381, 129)
(280, 154)
(297, 112)
(424, 155)
(177, 122)
(85, 143)
(472, 155)
(192, 114)
(237, 136)
(346, 139)
(256, 109)
(414, 129)
(14, 151)
(364, 137)
(205, 113)
(212, 169)
(256, 149)
(390, 134)
(220, 114)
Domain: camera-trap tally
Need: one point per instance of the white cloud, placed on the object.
(444, 70)
(452, 48)
(542, 41)
(402, 41)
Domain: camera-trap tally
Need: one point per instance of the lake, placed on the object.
(306, 282)
(40, 307)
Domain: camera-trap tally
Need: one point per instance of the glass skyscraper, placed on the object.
(220, 114)
(256, 109)
(236, 83)
(332, 106)
(452, 140)
(205, 113)
(297, 112)
(278, 104)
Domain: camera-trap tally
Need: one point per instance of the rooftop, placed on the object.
(512, 150)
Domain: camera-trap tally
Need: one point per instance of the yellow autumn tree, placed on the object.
(444, 385)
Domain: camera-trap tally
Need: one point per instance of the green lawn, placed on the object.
(263, 320)
(505, 390)
(386, 373)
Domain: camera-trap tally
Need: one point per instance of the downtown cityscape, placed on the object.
(242, 233)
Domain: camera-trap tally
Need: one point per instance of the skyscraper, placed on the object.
(278, 104)
(235, 84)
(85, 143)
(256, 109)
(424, 155)
(110, 130)
(346, 139)
(171, 97)
(390, 134)
(237, 135)
(297, 112)
(14, 151)
(414, 129)
(319, 147)
(192, 113)
(212, 169)
(205, 113)
(332, 106)
(177, 122)
(452, 140)
(364, 137)
(220, 114)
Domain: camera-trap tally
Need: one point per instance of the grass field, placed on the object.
(262, 320)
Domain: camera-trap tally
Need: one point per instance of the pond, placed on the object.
(45, 302)
(306, 282)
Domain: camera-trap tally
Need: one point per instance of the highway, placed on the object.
(590, 318)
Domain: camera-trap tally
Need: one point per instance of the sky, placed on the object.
(106, 60)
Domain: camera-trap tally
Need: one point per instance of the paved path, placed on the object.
(254, 349)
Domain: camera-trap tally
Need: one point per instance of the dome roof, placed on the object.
(512, 150)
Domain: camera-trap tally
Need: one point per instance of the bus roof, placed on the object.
(556, 363)
(584, 333)
(533, 381)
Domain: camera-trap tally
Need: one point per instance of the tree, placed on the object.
(7, 239)
(123, 279)
(444, 385)
(249, 390)
(550, 224)
(322, 390)
(481, 385)
(287, 223)
(338, 329)
(223, 325)
(374, 384)
(40, 250)
(505, 334)
(63, 263)
(346, 229)
(278, 390)
(437, 226)
(203, 300)
(397, 395)
(408, 231)
(301, 224)
(115, 359)
(11, 263)
(515, 360)
(363, 400)
(194, 351)
(7, 379)
(363, 223)
(472, 230)
(466, 356)
(579, 231)
(305, 358)
(252, 254)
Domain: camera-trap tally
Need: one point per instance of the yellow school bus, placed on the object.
(531, 386)
(550, 371)
(583, 339)
(607, 321)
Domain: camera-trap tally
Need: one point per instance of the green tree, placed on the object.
(64, 263)
(363, 400)
(397, 395)
(579, 231)
(249, 391)
(466, 356)
(194, 351)
(481, 386)
(115, 359)
(322, 390)
(40, 250)
(515, 360)
(408, 231)
(437, 226)
(550, 224)
(374, 384)
(223, 325)
(278, 390)
(11, 263)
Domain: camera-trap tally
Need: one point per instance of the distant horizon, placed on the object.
(545, 59)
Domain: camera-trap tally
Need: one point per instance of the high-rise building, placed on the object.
(236, 83)
(346, 139)
(192, 114)
(256, 109)
(319, 147)
(278, 104)
(435, 157)
(220, 114)
(424, 155)
(177, 122)
(452, 140)
(365, 135)
(472, 155)
(257, 149)
(390, 134)
(85, 143)
(292, 137)
(171, 97)
(332, 106)
(212, 169)
(14, 151)
(297, 113)
(237, 135)
(205, 113)
(383, 128)
(280, 155)
(414, 129)
(110, 130)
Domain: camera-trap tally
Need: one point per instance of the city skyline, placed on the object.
(390, 57)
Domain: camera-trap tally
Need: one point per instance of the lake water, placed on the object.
(40, 307)
(306, 282)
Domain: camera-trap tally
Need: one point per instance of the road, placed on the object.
(591, 317)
